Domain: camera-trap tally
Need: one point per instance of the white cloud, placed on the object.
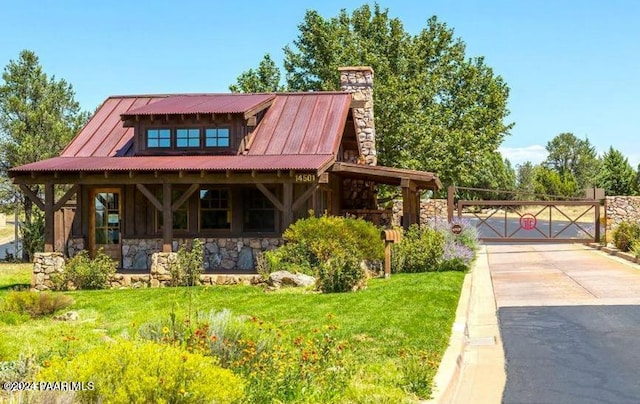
(518, 155)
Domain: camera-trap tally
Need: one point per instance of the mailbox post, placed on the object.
(389, 237)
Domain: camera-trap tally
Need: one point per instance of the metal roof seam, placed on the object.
(85, 146)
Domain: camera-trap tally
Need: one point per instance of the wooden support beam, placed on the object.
(184, 197)
(409, 214)
(49, 224)
(303, 198)
(167, 218)
(71, 192)
(287, 202)
(32, 196)
(150, 196)
(131, 174)
(271, 197)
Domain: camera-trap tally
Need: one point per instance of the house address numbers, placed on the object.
(305, 177)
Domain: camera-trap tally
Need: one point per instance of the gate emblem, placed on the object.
(528, 221)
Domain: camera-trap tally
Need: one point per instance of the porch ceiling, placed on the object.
(387, 175)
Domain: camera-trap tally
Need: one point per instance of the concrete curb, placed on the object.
(473, 367)
(446, 379)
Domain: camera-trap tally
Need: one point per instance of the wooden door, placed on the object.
(104, 222)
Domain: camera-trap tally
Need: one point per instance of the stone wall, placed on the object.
(74, 246)
(621, 208)
(429, 209)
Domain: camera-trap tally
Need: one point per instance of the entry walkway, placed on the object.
(556, 332)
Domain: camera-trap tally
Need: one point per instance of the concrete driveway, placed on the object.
(567, 327)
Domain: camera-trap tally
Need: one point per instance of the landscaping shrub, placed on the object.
(420, 250)
(187, 269)
(34, 304)
(342, 273)
(21, 369)
(146, 372)
(330, 248)
(276, 367)
(459, 249)
(83, 272)
(625, 234)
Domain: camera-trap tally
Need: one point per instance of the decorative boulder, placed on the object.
(286, 278)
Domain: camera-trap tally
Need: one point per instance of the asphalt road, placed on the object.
(571, 354)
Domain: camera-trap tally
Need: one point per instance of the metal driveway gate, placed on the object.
(529, 221)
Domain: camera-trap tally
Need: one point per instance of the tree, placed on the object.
(617, 177)
(264, 79)
(569, 155)
(38, 117)
(525, 181)
(435, 109)
(551, 183)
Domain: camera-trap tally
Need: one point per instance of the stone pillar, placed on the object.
(160, 271)
(44, 265)
(359, 81)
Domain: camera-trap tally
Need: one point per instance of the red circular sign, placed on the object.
(528, 221)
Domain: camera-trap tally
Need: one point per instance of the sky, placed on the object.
(571, 65)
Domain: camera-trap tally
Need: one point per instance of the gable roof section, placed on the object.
(202, 104)
(302, 123)
(104, 135)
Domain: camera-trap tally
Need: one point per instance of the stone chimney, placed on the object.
(359, 81)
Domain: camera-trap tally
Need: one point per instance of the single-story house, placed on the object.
(235, 170)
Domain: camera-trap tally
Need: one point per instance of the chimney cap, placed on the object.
(355, 68)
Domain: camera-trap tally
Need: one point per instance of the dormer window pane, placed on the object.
(158, 138)
(188, 137)
(217, 137)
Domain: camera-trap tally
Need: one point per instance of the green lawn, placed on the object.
(407, 313)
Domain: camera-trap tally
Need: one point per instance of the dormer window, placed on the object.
(159, 138)
(187, 138)
(217, 137)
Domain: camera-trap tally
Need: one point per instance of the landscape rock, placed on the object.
(286, 278)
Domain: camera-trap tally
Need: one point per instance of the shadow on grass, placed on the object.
(15, 286)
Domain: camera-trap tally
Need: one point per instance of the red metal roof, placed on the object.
(173, 163)
(299, 131)
(104, 135)
(202, 104)
(302, 123)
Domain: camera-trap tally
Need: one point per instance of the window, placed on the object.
(188, 138)
(215, 209)
(258, 212)
(160, 138)
(217, 137)
(180, 216)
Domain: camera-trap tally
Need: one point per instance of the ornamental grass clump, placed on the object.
(420, 250)
(34, 304)
(625, 234)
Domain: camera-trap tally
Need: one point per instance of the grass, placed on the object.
(7, 231)
(14, 276)
(407, 313)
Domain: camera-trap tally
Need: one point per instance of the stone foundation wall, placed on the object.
(621, 208)
(74, 246)
(429, 209)
(219, 253)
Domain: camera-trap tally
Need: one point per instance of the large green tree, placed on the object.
(435, 108)
(570, 156)
(264, 79)
(525, 181)
(617, 177)
(38, 117)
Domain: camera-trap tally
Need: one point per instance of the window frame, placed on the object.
(246, 209)
(229, 209)
(188, 138)
(158, 129)
(217, 138)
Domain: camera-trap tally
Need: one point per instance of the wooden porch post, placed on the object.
(408, 203)
(49, 224)
(450, 193)
(287, 204)
(167, 219)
